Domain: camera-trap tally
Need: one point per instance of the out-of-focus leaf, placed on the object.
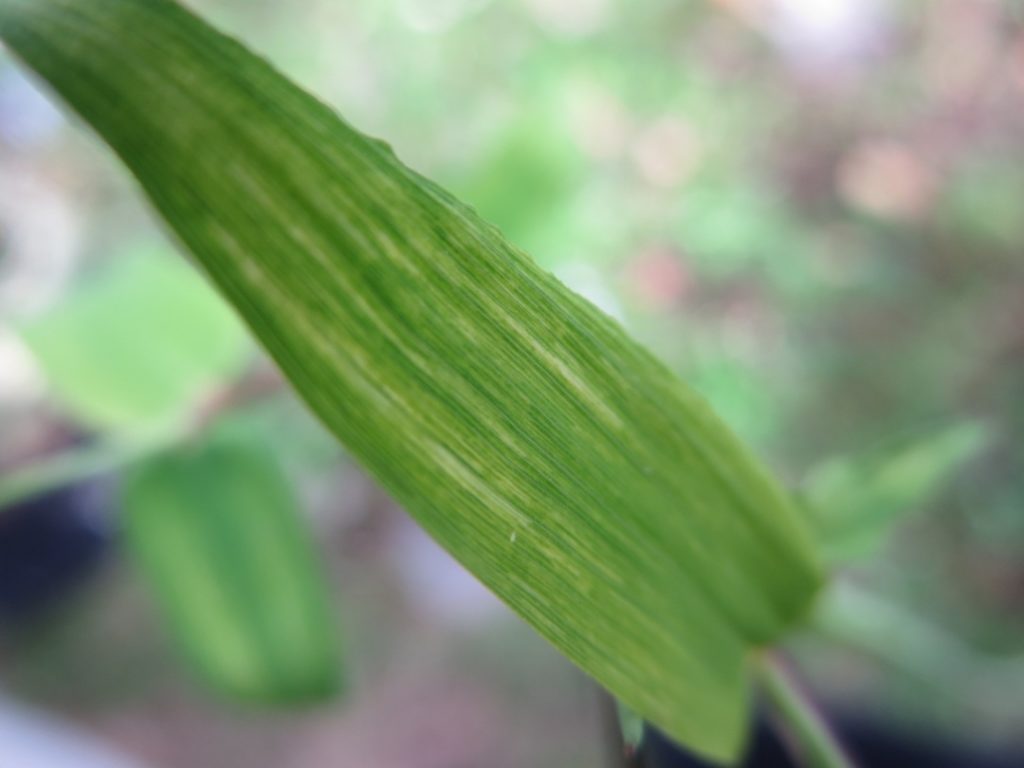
(632, 727)
(731, 387)
(217, 533)
(728, 228)
(562, 464)
(286, 427)
(984, 200)
(941, 662)
(855, 500)
(138, 343)
(523, 184)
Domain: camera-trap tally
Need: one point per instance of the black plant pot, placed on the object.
(870, 743)
(49, 545)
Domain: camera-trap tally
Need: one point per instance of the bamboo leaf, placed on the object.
(562, 464)
(216, 531)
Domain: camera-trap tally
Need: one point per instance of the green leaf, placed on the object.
(217, 533)
(855, 500)
(524, 179)
(137, 344)
(563, 465)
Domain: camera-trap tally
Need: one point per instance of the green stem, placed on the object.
(806, 731)
(79, 463)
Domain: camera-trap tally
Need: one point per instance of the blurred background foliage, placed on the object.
(812, 209)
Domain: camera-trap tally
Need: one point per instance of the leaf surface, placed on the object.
(560, 462)
(856, 501)
(217, 531)
(137, 344)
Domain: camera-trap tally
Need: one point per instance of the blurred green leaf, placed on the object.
(218, 535)
(555, 458)
(285, 426)
(940, 661)
(984, 200)
(631, 726)
(855, 500)
(736, 394)
(523, 184)
(138, 343)
(727, 228)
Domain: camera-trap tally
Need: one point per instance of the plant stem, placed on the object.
(77, 464)
(808, 734)
(611, 729)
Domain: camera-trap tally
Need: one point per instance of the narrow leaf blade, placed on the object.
(217, 534)
(562, 464)
(855, 501)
